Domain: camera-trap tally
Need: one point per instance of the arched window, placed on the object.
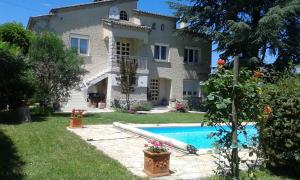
(123, 15)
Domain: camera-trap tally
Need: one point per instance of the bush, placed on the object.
(145, 106)
(280, 130)
(195, 104)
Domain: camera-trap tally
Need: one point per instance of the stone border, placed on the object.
(181, 146)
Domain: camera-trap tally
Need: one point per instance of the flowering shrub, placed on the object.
(180, 107)
(77, 113)
(221, 93)
(279, 129)
(157, 146)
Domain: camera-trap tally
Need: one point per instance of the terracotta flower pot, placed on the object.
(76, 122)
(156, 164)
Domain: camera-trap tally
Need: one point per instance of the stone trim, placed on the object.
(147, 13)
(126, 24)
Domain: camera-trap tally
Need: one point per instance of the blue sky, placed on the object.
(21, 10)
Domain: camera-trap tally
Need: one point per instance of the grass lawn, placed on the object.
(44, 149)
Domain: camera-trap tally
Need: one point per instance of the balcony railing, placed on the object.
(142, 62)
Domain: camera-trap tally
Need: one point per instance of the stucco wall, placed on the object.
(88, 22)
(175, 69)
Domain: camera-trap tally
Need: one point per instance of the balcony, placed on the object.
(142, 62)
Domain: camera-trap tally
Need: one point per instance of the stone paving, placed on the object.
(127, 149)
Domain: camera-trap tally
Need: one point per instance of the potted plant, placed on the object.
(76, 118)
(173, 103)
(157, 158)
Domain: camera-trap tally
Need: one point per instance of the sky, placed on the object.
(21, 10)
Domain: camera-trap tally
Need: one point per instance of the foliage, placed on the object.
(15, 75)
(157, 146)
(195, 104)
(16, 34)
(251, 29)
(219, 103)
(280, 130)
(142, 106)
(127, 78)
(56, 69)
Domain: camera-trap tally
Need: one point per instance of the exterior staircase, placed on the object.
(77, 100)
(78, 97)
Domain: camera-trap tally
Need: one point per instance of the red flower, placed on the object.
(221, 62)
(258, 74)
(268, 110)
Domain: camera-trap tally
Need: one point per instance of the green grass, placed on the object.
(44, 149)
(108, 118)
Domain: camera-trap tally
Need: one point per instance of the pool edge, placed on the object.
(181, 146)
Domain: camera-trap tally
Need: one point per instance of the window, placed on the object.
(123, 48)
(191, 88)
(191, 56)
(153, 26)
(160, 52)
(123, 15)
(80, 44)
(162, 27)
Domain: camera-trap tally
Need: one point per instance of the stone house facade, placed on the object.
(170, 66)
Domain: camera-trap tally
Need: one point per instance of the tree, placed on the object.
(56, 68)
(15, 34)
(232, 102)
(127, 78)
(15, 76)
(262, 23)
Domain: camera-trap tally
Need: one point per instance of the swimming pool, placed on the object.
(196, 135)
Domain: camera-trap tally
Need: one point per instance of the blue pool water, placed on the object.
(197, 135)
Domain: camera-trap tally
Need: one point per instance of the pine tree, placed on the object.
(251, 29)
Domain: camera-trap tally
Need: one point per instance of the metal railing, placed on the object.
(142, 62)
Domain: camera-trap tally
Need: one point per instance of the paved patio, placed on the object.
(127, 149)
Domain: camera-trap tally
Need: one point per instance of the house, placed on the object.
(104, 31)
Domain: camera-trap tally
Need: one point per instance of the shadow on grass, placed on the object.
(11, 165)
(69, 114)
(285, 172)
(11, 118)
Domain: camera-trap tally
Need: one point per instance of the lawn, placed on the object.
(44, 149)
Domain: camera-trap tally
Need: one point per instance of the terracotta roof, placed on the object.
(126, 24)
(153, 14)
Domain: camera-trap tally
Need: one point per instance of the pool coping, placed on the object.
(179, 145)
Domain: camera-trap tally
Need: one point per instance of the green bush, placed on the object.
(145, 106)
(280, 130)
